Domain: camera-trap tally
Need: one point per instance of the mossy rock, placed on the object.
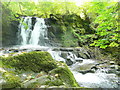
(65, 75)
(11, 80)
(34, 61)
(57, 73)
(43, 80)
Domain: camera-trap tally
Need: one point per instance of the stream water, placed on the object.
(37, 39)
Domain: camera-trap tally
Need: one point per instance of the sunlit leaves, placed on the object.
(107, 20)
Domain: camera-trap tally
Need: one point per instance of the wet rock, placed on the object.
(83, 55)
(94, 67)
(86, 71)
(112, 62)
(76, 53)
(37, 50)
(118, 68)
(114, 66)
(24, 49)
(11, 49)
(113, 71)
(56, 49)
(69, 62)
(78, 49)
(66, 49)
(16, 50)
(64, 55)
(79, 60)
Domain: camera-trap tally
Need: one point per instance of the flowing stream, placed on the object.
(36, 38)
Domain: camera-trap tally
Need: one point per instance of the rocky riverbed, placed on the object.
(88, 72)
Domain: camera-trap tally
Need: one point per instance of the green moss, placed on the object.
(35, 61)
(12, 81)
(66, 76)
(57, 72)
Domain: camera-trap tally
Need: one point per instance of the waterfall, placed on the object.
(35, 36)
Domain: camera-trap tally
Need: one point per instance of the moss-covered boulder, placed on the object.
(34, 61)
(55, 73)
(10, 80)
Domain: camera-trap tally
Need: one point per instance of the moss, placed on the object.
(65, 75)
(57, 72)
(11, 80)
(35, 61)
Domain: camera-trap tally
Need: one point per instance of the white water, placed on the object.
(98, 79)
(39, 32)
(37, 36)
(25, 28)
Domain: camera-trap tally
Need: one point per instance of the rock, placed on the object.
(55, 73)
(78, 49)
(118, 68)
(69, 62)
(82, 55)
(64, 55)
(66, 49)
(38, 60)
(94, 67)
(112, 66)
(112, 62)
(56, 49)
(10, 80)
(43, 86)
(86, 71)
(16, 50)
(113, 71)
(65, 75)
(37, 50)
(34, 83)
(23, 49)
(79, 60)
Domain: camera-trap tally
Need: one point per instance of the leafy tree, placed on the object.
(105, 23)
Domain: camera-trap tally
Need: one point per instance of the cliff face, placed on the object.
(9, 33)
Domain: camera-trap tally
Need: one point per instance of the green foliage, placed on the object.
(69, 40)
(106, 14)
(42, 8)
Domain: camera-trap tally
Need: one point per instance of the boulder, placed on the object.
(79, 60)
(69, 62)
(64, 55)
(55, 73)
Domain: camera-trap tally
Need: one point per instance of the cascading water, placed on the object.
(37, 36)
(39, 33)
(98, 79)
